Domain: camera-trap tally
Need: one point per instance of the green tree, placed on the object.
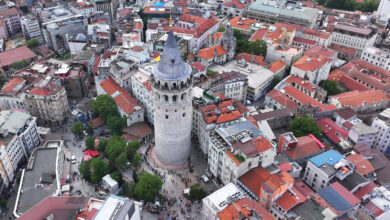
(197, 192)
(21, 64)
(147, 187)
(136, 160)
(102, 145)
(304, 126)
(116, 145)
(115, 124)
(258, 47)
(242, 46)
(221, 29)
(331, 87)
(90, 142)
(85, 169)
(2, 81)
(3, 203)
(33, 42)
(121, 162)
(77, 128)
(117, 176)
(105, 106)
(321, 2)
(131, 149)
(211, 73)
(89, 130)
(367, 6)
(128, 190)
(237, 34)
(99, 168)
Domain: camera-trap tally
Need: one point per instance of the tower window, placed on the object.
(174, 98)
(184, 114)
(166, 98)
(166, 116)
(172, 61)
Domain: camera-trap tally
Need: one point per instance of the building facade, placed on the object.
(48, 102)
(382, 124)
(172, 102)
(30, 27)
(377, 57)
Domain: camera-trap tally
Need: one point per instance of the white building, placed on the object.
(377, 57)
(315, 69)
(352, 36)
(323, 168)
(382, 124)
(142, 92)
(30, 27)
(219, 200)
(236, 149)
(287, 54)
(362, 133)
(382, 12)
(12, 95)
(19, 136)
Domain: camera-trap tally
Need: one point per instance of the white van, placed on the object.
(73, 159)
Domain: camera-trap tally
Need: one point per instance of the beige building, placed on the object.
(47, 101)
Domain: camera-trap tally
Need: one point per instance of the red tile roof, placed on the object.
(303, 98)
(364, 190)
(97, 122)
(217, 35)
(234, 4)
(277, 65)
(375, 210)
(351, 199)
(363, 166)
(351, 84)
(7, 12)
(251, 58)
(244, 207)
(343, 49)
(254, 178)
(208, 53)
(332, 130)
(241, 23)
(303, 188)
(311, 64)
(220, 113)
(301, 82)
(259, 34)
(357, 98)
(321, 51)
(122, 98)
(282, 99)
(47, 90)
(304, 41)
(305, 146)
(316, 33)
(289, 200)
(8, 57)
(11, 86)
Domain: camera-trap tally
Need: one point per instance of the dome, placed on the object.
(171, 65)
(81, 37)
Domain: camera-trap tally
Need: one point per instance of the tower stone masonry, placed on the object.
(172, 102)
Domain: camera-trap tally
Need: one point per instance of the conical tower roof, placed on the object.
(171, 65)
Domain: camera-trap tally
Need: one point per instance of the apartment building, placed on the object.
(235, 149)
(352, 36)
(323, 168)
(377, 57)
(12, 94)
(19, 137)
(30, 27)
(382, 138)
(314, 68)
(11, 21)
(232, 85)
(142, 92)
(47, 101)
(362, 133)
(321, 38)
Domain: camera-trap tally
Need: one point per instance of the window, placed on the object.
(166, 116)
(166, 98)
(184, 115)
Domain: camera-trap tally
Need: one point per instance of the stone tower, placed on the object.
(229, 41)
(172, 102)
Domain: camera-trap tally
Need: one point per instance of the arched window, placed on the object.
(166, 85)
(174, 98)
(182, 96)
(174, 85)
(166, 98)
